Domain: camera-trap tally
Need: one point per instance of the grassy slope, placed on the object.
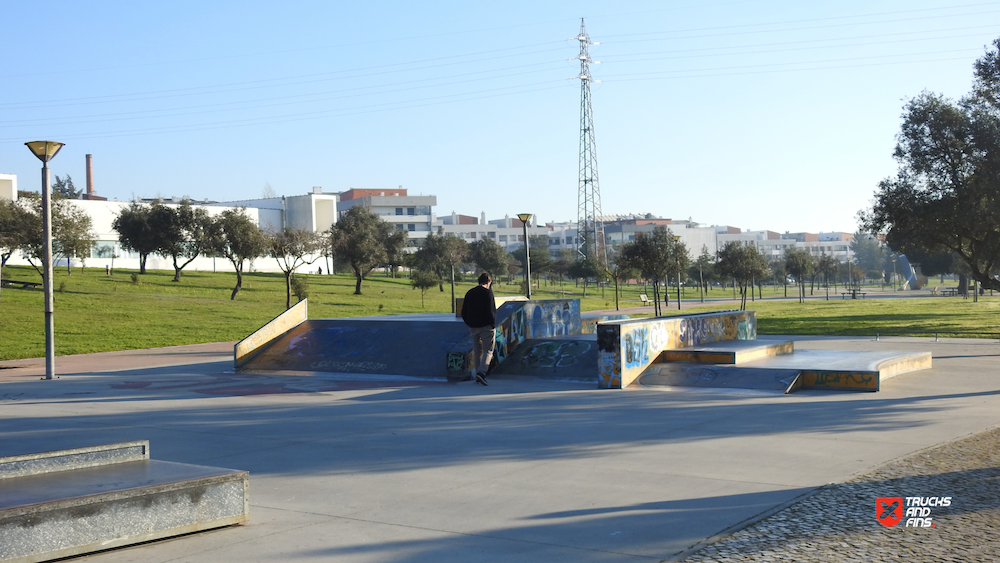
(96, 313)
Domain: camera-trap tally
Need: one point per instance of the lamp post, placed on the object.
(701, 281)
(46, 151)
(677, 256)
(525, 217)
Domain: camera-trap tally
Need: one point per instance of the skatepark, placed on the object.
(383, 467)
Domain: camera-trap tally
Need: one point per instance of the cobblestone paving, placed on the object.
(837, 524)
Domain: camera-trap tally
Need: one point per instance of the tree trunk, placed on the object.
(288, 290)
(142, 263)
(359, 277)
(452, 290)
(239, 281)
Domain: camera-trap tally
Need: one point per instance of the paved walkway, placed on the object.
(836, 524)
(360, 470)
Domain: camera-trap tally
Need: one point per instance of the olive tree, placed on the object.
(235, 236)
(363, 240)
(744, 264)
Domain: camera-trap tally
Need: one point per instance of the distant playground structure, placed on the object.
(551, 339)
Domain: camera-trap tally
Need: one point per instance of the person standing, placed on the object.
(479, 311)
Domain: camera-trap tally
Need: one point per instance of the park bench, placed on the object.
(645, 300)
(950, 292)
(854, 293)
(23, 284)
(70, 502)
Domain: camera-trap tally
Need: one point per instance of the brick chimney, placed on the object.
(90, 182)
(90, 176)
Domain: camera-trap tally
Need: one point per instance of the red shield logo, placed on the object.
(889, 510)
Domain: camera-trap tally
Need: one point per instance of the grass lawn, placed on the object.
(98, 313)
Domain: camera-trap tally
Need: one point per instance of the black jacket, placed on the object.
(479, 308)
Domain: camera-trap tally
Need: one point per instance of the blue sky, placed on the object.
(757, 114)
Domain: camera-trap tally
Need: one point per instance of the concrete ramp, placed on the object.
(411, 345)
(720, 376)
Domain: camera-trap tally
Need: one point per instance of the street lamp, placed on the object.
(46, 151)
(677, 255)
(525, 217)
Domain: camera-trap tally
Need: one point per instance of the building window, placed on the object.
(503, 238)
(401, 227)
(410, 211)
(411, 227)
(399, 211)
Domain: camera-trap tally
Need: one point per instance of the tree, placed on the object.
(423, 280)
(704, 268)
(360, 239)
(869, 254)
(236, 237)
(489, 256)
(656, 255)
(65, 188)
(619, 272)
(136, 231)
(799, 264)
(184, 233)
(72, 234)
(744, 264)
(828, 266)
(541, 258)
(394, 250)
(586, 269)
(292, 248)
(779, 272)
(14, 224)
(561, 263)
(441, 253)
(945, 194)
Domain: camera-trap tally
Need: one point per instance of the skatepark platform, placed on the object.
(787, 372)
(71, 502)
(545, 339)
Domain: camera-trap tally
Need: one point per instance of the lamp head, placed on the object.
(44, 150)
(524, 217)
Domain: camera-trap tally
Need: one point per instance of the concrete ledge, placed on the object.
(728, 352)
(78, 458)
(57, 514)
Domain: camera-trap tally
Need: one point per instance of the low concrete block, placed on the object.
(54, 514)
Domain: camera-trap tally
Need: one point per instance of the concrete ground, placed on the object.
(523, 470)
